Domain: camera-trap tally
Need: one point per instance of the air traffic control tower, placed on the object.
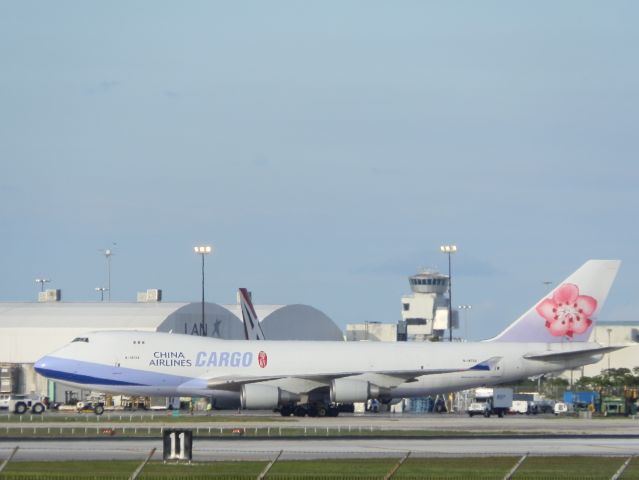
(425, 311)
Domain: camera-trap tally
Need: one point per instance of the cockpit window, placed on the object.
(81, 339)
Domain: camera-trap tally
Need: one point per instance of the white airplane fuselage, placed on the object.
(156, 364)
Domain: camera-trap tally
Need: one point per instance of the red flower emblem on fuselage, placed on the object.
(567, 313)
(262, 359)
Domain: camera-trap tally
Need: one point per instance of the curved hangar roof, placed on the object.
(30, 330)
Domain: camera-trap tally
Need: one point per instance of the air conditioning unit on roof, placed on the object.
(150, 296)
(51, 295)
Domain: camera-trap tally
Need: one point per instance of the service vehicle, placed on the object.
(90, 407)
(519, 406)
(477, 408)
(20, 404)
(560, 408)
(491, 401)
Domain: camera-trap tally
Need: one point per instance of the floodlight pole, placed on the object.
(203, 250)
(108, 253)
(101, 290)
(42, 281)
(202, 290)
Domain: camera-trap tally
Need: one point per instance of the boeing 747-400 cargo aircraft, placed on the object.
(315, 376)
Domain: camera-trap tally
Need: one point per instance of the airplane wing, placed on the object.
(386, 378)
(550, 356)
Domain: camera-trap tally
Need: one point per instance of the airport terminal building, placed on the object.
(29, 331)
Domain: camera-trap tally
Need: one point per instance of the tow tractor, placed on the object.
(20, 404)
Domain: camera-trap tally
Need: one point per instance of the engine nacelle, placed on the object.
(344, 390)
(258, 397)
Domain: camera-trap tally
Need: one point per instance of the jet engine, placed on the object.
(344, 390)
(255, 397)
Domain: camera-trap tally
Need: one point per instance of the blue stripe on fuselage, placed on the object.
(90, 373)
(83, 379)
(480, 366)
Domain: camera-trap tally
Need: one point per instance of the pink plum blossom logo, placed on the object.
(262, 359)
(567, 313)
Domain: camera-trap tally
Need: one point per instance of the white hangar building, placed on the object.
(29, 331)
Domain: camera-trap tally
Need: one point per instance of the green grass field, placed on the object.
(124, 431)
(137, 418)
(414, 468)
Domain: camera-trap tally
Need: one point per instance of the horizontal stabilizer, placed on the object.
(551, 356)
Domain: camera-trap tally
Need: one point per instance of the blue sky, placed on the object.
(325, 149)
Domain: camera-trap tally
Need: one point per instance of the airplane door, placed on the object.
(117, 370)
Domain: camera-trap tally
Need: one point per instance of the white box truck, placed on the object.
(491, 401)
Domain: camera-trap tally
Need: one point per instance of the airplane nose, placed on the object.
(55, 367)
(41, 365)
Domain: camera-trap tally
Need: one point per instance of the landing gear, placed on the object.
(332, 412)
(316, 410)
(312, 410)
(286, 411)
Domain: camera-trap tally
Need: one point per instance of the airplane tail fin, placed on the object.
(569, 311)
(252, 327)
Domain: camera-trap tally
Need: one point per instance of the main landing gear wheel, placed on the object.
(286, 411)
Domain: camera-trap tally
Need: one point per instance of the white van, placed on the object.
(560, 407)
(519, 406)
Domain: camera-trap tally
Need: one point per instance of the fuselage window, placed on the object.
(81, 339)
